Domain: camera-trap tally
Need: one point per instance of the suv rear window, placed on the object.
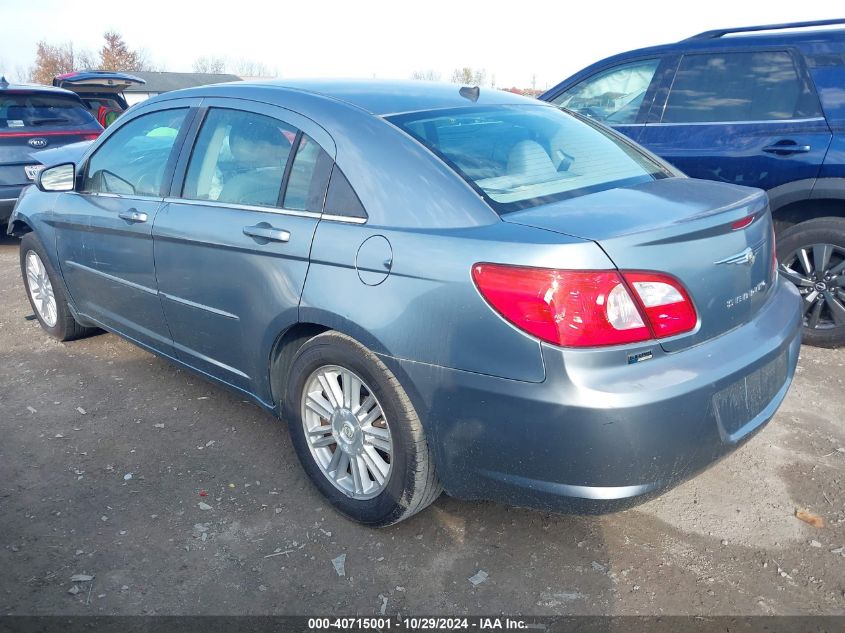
(33, 111)
(525, 156)
(755, 86)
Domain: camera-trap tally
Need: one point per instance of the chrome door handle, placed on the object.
(267, 232)
(784, 148)
(132, 215)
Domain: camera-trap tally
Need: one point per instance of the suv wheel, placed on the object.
(812, 256)
(356, 432)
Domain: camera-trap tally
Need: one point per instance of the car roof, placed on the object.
(802, 35)
(376, 96)
(34, 88)
(737, 39)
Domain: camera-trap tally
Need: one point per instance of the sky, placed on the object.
(521, 43)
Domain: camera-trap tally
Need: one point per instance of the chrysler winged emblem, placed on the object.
(746, 257)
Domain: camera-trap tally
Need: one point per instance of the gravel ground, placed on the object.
(108, 451)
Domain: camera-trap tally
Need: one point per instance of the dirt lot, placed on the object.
(78, 419)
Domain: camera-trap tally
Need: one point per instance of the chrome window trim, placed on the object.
(122, 196)
(276, 210)
(760, 122)
(243, 207)
(344, 218)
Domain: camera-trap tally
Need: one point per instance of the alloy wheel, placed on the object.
(347, 432)
(819, 272)
(40, 289)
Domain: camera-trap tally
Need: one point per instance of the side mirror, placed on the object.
(57, 178)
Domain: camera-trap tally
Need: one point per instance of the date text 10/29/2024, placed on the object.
(417, 624)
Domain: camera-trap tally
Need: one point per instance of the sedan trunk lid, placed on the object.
(691, 229)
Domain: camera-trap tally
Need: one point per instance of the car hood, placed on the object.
(71, 153)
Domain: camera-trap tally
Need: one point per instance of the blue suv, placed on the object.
(762, 106)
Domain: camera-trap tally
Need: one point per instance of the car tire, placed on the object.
(45, 292)
(394, 432)
(811, 254)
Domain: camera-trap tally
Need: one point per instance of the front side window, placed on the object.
(612, 96)
(726, 87)
(239, 158)
(524, 156)
(132, 161)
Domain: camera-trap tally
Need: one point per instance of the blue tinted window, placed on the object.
(758, 86)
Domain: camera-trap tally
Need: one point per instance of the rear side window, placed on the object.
(24, 112)
(612, 96)
(724, 87)
(239, 158)
(828, 72)
(132, 161)
(341, 199)
(524, 156)
(309, 177)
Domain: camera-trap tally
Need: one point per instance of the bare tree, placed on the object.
(209, 65)
(469, 76)
(252, 68)
(426, 75)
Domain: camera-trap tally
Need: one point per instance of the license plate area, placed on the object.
(737, 406)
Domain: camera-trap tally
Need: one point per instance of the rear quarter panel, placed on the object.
(428, 310)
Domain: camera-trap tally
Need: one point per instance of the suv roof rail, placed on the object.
(717, 33)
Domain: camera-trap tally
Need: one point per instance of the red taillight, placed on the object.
(574, 308)
(741, 224)
(86, 136)
(666, 303)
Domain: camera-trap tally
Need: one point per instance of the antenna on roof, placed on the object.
(471, 93)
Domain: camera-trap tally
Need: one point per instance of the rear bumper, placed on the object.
(598, 436)
(8, 196)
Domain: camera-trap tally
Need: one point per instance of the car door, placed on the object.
(105, 239)
(743, 117)
(232, 243)
(619, 96)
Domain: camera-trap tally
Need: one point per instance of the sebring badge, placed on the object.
(745, 296)
(37, 142)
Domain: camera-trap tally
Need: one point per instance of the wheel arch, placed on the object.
(289, 342)
(19, 228)
(799, 211)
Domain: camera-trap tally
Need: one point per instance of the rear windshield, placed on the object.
(524, 156)
(41, 111)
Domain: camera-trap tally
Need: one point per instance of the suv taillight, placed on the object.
(574, 308)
